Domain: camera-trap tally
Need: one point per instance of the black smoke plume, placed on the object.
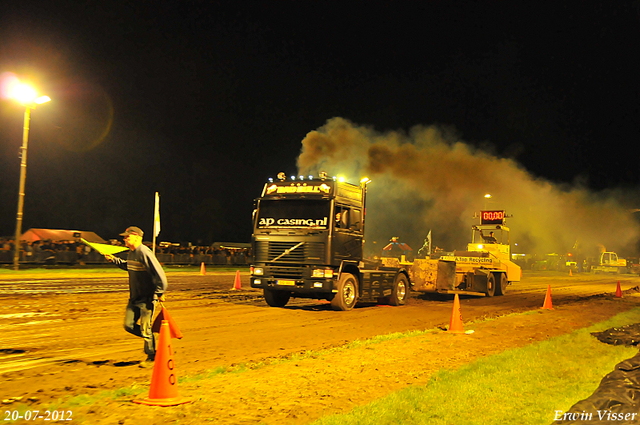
(428, 179)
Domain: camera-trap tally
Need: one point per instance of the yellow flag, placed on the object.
(105, 249)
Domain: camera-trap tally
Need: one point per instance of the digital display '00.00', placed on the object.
(492, 217)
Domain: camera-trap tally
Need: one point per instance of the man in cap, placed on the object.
(147, 283)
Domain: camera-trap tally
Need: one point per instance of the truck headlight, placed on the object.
(259, 271)
(326, 273)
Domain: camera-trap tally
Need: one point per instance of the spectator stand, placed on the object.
(73, 252)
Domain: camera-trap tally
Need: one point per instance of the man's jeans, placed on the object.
(142, 311)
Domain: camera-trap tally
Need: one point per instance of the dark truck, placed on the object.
(307, 242)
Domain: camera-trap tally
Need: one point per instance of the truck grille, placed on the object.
(307, 253)
(284, 272)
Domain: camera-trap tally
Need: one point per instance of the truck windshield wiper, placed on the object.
(287, 251)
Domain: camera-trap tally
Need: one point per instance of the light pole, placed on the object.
(27, 96)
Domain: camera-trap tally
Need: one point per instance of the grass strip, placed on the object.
(525, 385)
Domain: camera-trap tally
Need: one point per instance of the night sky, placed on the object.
(203, 101)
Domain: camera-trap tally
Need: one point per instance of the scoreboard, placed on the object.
(492, 217)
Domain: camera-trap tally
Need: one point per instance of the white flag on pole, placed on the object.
(156, 217)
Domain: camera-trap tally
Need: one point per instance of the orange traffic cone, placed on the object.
(570, 272)
(236, 283)
(547, 300)
(202, 270)
(164, 381)
(455, 325)
(618, 291)
(165, 316)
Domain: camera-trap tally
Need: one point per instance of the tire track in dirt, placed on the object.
(80, 334)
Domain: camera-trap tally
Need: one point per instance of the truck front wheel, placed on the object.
(400, 290)
(491, 285)
(347, 293)
(276, 298)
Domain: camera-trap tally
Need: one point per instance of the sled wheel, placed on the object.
(491, 285)
(501, 288)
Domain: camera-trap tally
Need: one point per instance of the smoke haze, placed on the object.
(428, 179)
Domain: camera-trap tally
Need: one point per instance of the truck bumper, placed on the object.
(299, 287)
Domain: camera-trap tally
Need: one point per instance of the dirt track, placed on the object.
(63, 336)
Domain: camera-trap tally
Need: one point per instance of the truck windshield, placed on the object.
(287, 214)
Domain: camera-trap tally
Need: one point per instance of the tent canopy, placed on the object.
(33, 235)
(396, 244)
(401, 245)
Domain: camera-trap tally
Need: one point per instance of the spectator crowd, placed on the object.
(76, 252)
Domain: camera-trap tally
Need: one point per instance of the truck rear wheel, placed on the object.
(347, 293)
(400, 290)
(491, 285)
(501, 288)
(276, 298)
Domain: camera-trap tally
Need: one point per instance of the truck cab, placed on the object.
(491, 238)
(307, 241)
